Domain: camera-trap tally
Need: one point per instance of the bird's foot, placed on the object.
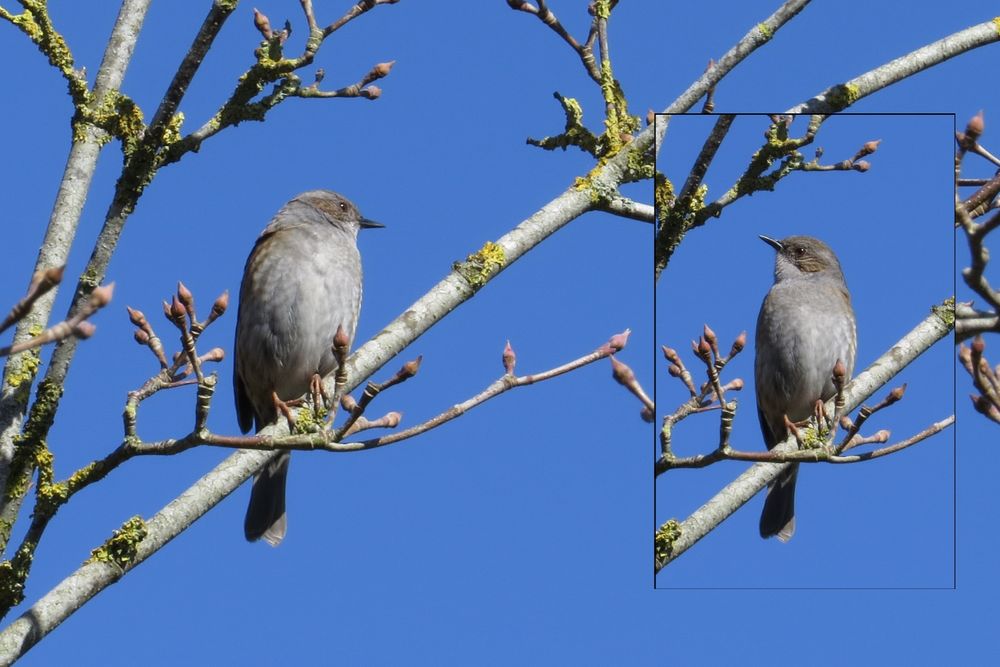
(793, 428)
(320, 399)
(823, 421)
(285, 409)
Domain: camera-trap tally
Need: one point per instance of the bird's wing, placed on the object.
(769, 438)
(245, 414)
(244, 409)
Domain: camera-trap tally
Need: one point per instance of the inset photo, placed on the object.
(804, 387)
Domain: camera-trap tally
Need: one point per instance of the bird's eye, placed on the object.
(800, 251)
(343, 206)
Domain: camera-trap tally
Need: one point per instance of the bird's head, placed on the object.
(803, 255)
(336, 210)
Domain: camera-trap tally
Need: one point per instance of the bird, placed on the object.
(806, 324)
(301, 282)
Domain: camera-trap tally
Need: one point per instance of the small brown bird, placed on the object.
(805, 325)
(301, 281)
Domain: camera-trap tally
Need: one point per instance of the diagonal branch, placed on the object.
(59, 236)
(932, 329)
(627, 208)
(842, 95)
(457, 287)
(759, 35)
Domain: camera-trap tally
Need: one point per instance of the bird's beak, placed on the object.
(771, 242)
(370, 224)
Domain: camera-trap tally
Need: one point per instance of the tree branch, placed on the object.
(59, 236)
(458, 286)
(684, 535)
(842, 95)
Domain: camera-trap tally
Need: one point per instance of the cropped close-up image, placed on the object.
(804, 315)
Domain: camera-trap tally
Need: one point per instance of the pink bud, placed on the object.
(220, 305)
(509, 359)
(340, 339)
(975, 127)
(101, 296)
(84, 329)
(411, 367)
(136, 317)
(619, 340)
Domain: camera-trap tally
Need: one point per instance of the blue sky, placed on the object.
(720, 275)
(522, 531)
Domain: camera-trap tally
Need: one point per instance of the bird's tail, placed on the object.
(266, 513)
(778, 517)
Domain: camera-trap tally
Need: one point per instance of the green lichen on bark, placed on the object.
(172, 132)
(482, 265)
(30, 450)
(842, 95)
(663, 195)
(123, 545)
(13, 575)
(663, 542)
(640, 166)
(309, 419)
(574, 134)
(946, 311)
(22, 369)
(619, 124)
(35, 22)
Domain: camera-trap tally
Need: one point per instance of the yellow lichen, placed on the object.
(843, 95)
(698, 198)
(22, 370)
(172, 132)
(946, 311)
(123, 545)
(309, 420)
(663, 195)
(663, 541)
(482, 265)
(13, 574)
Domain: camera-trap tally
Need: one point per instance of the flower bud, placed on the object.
(738, 344)
(411, 367)
(896, 394)
(262, 23)
(220, 305)
(101, 296)
(618, 341)
(509, 359)
(974, 129)
(340, 339)
(136, 317)
(84, 329)
(621, 373)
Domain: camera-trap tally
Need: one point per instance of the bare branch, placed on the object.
(932, 329)
(626, 208)
(842, 95)
(59, 235)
